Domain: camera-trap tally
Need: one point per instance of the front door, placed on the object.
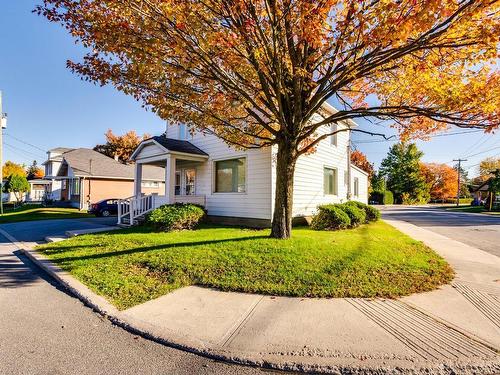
(185, 181)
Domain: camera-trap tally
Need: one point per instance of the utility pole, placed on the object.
(459, 169)
(3, 125)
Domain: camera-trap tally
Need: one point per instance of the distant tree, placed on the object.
(487, 167)
(17, 184)
(377, 182)
(120, 146)
(441, 180)
(401, 167)
(360, 160)
(10, 168)
(34, 171)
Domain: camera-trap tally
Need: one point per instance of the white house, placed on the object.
(237, 186)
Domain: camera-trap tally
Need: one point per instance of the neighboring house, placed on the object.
(482, 192)
(52, 164)
(238, 186)
(38, 190)
(83, 176)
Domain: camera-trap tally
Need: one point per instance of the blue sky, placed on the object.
(48, 106)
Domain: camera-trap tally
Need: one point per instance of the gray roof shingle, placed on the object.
(86, 163)
(177, 145)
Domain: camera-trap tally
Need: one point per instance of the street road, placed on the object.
(477, 230)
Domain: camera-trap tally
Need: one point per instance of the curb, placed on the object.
(188, 344)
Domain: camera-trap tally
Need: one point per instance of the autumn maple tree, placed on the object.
(360, 160)
(254, 72)
(441, 180)
(120, 146)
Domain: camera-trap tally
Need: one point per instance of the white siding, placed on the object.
(150, 150)
(308, 190)
(256, 201)
(363, 185)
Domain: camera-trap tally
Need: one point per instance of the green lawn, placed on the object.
(473, 209)
(36, 212)
(134, 265)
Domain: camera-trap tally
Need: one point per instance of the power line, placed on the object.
(26, 143)
(483, 152)
(432, 136)
(37, 156)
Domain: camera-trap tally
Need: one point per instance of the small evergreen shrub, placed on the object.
(357, 216)
(176, 216)
(330, 217)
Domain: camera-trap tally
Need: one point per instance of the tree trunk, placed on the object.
(283, 201)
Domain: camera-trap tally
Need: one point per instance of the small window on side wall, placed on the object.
(356, 187)
(330, 181)
(230, 176)
(333, 137)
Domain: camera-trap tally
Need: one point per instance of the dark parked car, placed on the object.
(105, 208)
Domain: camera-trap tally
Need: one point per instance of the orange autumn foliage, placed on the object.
(360, 160)
(441, 180)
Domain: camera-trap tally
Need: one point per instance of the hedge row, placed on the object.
(346, 215)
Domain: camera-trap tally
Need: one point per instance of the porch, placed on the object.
(180, 159)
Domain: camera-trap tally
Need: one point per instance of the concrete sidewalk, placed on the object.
(455, 329)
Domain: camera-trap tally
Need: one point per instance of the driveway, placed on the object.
(477, 230)
(36, 231)
(45, 331)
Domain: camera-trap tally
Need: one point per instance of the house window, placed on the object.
(177, 183)
(356, 187)
(183, 132)
(189, 175)
(48, 169)
(75, 186)
(333, 137)
(330, 181)
(230, 176)
(150, 184)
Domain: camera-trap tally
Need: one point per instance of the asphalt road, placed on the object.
(45, 331)
(478, 230)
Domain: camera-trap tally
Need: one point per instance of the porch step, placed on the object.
(137, 221)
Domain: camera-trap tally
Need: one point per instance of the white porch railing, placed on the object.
(133, 207)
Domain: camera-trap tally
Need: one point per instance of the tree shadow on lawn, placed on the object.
(152, 248)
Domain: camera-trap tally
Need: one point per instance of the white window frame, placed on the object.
(355, 187)
(334, 137)
(335, 181)
(214, 175)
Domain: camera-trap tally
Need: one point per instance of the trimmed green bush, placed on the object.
(357, 215)
(372, 214)
(330, 217)
(176, 216)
